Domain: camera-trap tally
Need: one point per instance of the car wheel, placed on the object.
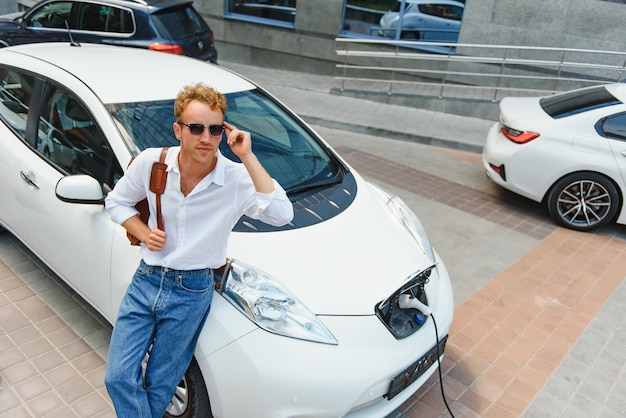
(191, 399)
(410, 36)
(583, 201)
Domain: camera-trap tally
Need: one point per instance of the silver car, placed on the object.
(423, 20)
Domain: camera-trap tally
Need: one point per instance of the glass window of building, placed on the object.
(272, 12)
(419, 20)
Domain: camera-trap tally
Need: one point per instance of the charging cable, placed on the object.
(406, 301)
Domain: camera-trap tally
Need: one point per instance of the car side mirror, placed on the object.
(79, 188)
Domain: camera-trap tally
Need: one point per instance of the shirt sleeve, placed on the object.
(274, 208)
(130, 189)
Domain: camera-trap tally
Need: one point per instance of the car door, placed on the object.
(46, 23)
(613, 128)
(438, 22)
(73, 239)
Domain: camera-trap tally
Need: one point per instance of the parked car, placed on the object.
(567, 151)
(437, 21)
(163, 25)
(327, 316)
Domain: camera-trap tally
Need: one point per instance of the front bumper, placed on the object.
(265, 375)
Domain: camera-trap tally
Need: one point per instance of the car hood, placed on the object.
(343, 266)
(389, 19)
(11, 17)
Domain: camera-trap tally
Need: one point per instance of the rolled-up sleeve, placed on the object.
(120, 202)
(274, 208)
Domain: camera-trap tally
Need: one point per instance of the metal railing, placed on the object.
(444, 69)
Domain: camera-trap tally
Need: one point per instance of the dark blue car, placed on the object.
(164, 25)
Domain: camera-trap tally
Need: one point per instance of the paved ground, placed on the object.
(539, 319)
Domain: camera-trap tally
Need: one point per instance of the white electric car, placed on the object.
(327, 316)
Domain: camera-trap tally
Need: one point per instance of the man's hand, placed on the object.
(156, 240)
(240, 142)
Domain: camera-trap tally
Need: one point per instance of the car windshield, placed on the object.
(577, 101)
(179, 23)
(288, 151)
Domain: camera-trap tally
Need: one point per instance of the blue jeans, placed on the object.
(164, 308)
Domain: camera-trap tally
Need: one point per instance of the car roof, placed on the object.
(435, 2)
(123, 75)
(152, 5)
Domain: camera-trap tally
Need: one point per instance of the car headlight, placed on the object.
(268, 304)
(411, 223)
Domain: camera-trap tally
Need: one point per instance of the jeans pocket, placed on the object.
(143, 269)
(196, 283)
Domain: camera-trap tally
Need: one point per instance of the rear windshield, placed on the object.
(577, 101)
(179, 23)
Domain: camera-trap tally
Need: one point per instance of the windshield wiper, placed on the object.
(301, 188)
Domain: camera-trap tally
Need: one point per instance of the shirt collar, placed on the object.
(216, 176)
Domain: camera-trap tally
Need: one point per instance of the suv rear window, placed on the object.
(179, 23)
(100, 18)
(577, 101)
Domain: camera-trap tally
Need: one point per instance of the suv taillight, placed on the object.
(170, 48)
(518, 137)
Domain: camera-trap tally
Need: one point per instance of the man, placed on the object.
(170, 295)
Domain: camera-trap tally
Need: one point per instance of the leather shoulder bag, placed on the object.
(158, 179)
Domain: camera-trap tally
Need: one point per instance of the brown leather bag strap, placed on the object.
(159, 187)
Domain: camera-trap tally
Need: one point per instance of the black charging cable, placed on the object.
(443, 395)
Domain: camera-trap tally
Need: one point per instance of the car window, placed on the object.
(613, 127)
(577, 101)
(442, 10)
(276, 10)
(102, 18)
(50, 15)
(70, 137)
(179, 23)
(285, 148)
(15, 93)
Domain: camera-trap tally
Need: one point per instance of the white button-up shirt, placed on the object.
(197, 225)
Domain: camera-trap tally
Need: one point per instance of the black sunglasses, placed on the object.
(198, 129)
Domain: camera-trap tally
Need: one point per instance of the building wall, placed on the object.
(309, 46)
(8, 6)
(586, 24)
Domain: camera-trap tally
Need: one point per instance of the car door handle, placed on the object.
(623, 153)
(29, 178)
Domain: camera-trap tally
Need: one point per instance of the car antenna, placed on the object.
(72, 43)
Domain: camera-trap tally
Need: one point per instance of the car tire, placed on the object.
(583, 201)
(191, 399)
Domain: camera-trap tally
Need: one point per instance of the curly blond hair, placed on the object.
(202, 93)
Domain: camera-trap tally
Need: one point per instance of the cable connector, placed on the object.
(408, 302)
